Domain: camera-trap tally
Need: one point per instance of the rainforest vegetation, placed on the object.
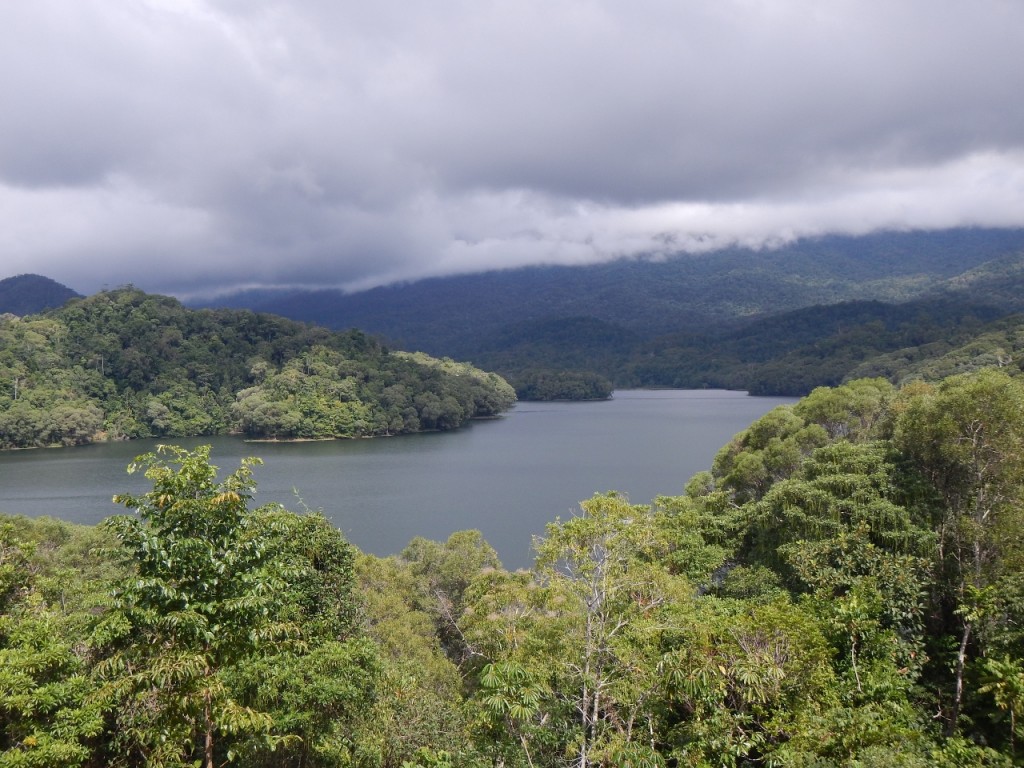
(780, 321)
(777, 321)
(125, 364)
(842, 587)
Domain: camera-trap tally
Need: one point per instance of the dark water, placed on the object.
(506, 477)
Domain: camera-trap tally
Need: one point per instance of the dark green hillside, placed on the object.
(557, 359)
(572, 343)
(773, 321)
(789, 353)
(31, 294)
(465, 316)
(124, 364)
(999, 282)
(996, 345)
(794, 352)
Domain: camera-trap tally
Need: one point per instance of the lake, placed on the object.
(507, 477)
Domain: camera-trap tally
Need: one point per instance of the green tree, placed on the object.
(849, 411)
(324, 689)
(602, 568)
(443, 572)
(201, 596)
(418, 709)
(769, 450)
(47, 714)
(964, 439)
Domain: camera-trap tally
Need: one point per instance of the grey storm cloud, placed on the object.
(192, 146)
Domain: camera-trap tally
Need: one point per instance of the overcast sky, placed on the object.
(195, 145)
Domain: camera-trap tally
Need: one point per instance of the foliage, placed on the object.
(965, 440)
(561, 385)
(419, 714)
(843, 587)
(48, 587)
(478, 317)
(815, 312)
(126, 364)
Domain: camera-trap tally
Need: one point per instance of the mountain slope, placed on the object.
(999, 344)
(794, 352)
(461, 316)
(31, 294)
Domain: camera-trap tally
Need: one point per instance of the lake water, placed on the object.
(507, 477)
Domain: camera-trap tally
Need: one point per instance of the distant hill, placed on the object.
(999, 344)
(1000, 282)
(30, 294)
(774, 321)
(793, 352)
(471, 315)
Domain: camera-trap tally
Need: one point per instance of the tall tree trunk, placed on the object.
(961, 661)
(208, 725)
(585, 699)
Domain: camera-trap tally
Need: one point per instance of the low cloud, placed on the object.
(190, 146)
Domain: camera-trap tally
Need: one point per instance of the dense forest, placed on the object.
(771, 321)
(125, 364)
(464, 315)
(842, 587)
(782, 322)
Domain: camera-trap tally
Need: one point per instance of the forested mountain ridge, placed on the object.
(693, 320)
(793, 352)
(686, 292)
(998, 344)
(843, 587)
(123, 364)
(789, 353)
(31, 294)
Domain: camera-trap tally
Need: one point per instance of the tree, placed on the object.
(419, 704)
(47, 715)
(769, 450)
(601, 568)
(321, 690)
(443, 572)
(965, 440)
(200, 598)
(849, 411)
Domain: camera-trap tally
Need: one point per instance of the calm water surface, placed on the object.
(506, 477)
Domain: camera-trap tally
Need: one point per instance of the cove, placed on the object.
(507, 477)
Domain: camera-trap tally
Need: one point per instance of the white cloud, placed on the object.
(195, 144)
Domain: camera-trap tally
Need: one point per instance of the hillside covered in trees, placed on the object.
(771, 321)
(843, 587)
(31, 294)
(125, 364)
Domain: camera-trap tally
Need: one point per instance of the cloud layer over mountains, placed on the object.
(192, 145)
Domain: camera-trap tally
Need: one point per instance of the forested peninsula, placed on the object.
(843, 587)
(125, 364)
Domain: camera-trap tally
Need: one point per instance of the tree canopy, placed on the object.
(844, 586)
(125, 364)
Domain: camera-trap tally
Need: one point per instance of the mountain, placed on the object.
(31, 294)
(779, 321)
(464, 315)
(793, 352)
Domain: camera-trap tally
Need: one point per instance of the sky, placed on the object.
(192, 147)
